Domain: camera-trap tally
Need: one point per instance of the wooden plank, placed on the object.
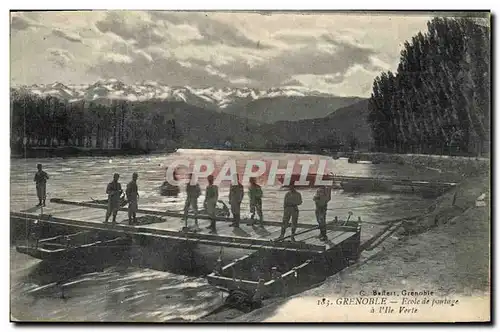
(188, 235)
(295, 269)
(237, 280)
(338, 239)
(374, 238)
(341, 238)
(253, 232)
(61, 236)
(234, 262)
(307, 236)
(314, 240)
(379, 241)
(179, 215)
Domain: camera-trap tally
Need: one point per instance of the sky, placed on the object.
(337, 53)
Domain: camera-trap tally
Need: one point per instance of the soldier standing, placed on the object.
(40, 179)
(193, 191)
(255, 194)
(132, 192)
(114, 191)
(211, 198)
(291, 210)
(321, 199)
(235, 197)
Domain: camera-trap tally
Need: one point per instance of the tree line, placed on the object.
(438, 101)
(50, 122)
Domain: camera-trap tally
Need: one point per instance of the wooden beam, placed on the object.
(242, 281)
(368, 243)
(200, 216)
(379, 241)
(61, 236)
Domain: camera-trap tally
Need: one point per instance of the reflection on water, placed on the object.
(121, 292)
(122, 289)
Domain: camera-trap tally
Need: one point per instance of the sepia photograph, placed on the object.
(188, 166)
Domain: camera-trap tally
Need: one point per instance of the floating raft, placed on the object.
(199, 216)
(301, 262)
(171, 228)
(370, 184)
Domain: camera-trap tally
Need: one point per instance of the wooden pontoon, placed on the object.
(302, 262)
(372, 184)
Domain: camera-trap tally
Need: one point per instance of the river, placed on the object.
(124, 291)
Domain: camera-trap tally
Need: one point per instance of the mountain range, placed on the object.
(269, 106)
(251, 116)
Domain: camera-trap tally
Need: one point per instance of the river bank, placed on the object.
(463, 166)
(73, 151)
(451, 257)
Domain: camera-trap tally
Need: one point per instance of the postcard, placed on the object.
(250, 166)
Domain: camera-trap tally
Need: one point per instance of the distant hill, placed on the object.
(207, 117)
(268, 106)
(344, 121)
(284, 108)
(201, 127)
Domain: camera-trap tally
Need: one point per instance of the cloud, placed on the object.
(241, 81)
(213, 32)
(67, 35)
(18, 22)
(117, 58)
(220, 33)
(292, 82)
(142, 33)
(144, 54)
(357, 81)
(340, 53)
(61, 58)
(182, 33)
(335, 57)
(300, 36)
(162, 69)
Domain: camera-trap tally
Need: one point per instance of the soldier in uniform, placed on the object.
(211, 198)
(193, 191)
(40, 179)
(132, 192)
(321, 199)
(235, 197)
(255, 194)
(291, 210)
(114, 191)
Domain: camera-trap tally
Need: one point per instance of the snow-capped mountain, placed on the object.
(214, 98)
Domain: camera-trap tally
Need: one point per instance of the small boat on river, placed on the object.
(167, 189)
